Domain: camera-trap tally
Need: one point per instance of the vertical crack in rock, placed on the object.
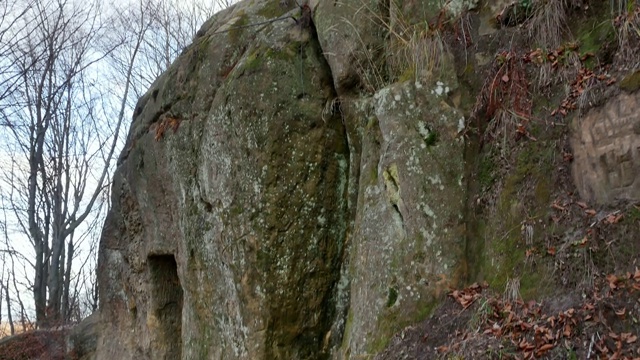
(392, 184)
(254, 203)
(335, 304)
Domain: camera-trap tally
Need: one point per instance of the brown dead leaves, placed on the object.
(167, 122)
(584, 327)
(585, 80)
(468, 296)
(585, 77)
(628, 281)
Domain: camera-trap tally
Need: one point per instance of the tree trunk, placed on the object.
(67, 284)
(9, 316)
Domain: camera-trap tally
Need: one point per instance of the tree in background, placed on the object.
(69, 78)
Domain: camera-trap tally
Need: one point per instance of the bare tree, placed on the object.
(69, 78)
(11, 26)
(53, 122)
(168, 27)
(9, 284)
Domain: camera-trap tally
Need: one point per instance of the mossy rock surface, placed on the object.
(631, 82)
(317, 198)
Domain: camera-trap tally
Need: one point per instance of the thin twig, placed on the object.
(591, 346)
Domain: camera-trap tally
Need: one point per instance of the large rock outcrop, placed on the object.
(301, 184)
(264, 208)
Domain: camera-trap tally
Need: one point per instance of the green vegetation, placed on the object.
(393, 297)
(395, 319)
(634, 214)
(288, 53)
(272, 9)
(253, 62)
(631, 82)
(525, 196)
(237, 29)
(596, 38)
(486, 171)
(373, 175)
(431, 139)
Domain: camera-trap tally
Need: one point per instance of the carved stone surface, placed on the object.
(606, 147)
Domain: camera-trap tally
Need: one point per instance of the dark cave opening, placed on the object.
(166, 306)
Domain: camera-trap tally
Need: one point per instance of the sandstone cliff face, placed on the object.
(291, 190)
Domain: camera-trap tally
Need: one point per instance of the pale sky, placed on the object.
(19, 241)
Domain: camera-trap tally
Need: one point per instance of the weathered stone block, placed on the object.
(606, 149)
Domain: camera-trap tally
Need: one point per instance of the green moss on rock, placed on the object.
(631, 82)
(272, 9)
(393, 297)
(596, 36)
(238, 27)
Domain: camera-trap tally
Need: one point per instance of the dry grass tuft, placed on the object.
(548, 24)
(627, 24)
(512, 290)
(505, 101)
(5, 328)
(413, 50)
(417, 49)
(419, 53)
(366, 59)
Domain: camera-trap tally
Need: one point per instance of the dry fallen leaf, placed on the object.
(613, 218)
(567, 157)
(631, 339)
(581, 243)
(545, 347)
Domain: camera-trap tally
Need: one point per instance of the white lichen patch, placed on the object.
(436, 180)
(461, 124)
(423, 130)
(426, 209)
(430, 236)
(440, 89)
(372, 191)
(413, 161)
(457, 7)
(381, 96)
